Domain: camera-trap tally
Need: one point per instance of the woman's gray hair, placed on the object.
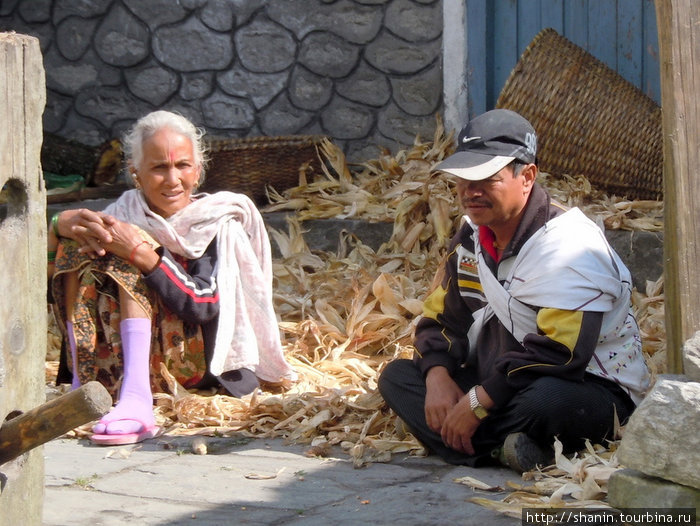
(149, 124)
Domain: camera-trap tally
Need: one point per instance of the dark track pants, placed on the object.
(549, 407)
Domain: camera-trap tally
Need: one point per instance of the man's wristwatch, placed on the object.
(479, 410)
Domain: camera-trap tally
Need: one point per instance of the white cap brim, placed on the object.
(473, 167)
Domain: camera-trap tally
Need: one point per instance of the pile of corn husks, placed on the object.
(344, 315)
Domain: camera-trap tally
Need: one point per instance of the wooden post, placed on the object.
(23, 308)
(679, 49)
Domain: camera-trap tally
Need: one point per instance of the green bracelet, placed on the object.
(51, 256)
(54, 223)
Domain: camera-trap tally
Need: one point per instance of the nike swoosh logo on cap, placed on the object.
(465, 140)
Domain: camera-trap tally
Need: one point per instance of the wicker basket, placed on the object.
(589, 120)
(67, 157)
(251, 164)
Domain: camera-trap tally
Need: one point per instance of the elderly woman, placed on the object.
(165, 276)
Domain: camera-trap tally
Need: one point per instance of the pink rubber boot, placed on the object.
(131, 420)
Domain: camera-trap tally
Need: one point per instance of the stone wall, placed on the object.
(367, 73)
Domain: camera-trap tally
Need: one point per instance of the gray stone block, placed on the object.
(628, 488)
(281, 117)
(157, 13)
(196, 85)
(85, 130)
(152, 82)
(396, 124)
(308, 90)
(191, 46)
(346, 18)
(190, 109)
(7, 7)
(642, 252)
(69, 77)
(66, 8)
(365, 85)
(36, 12)
(218, 15)
(121, 39)
(220, 111)
(328, 55)
(345, 119)
(417, 95)
(193, 4)
(55, 113)
(296, 15)
(73, 36)
(265, 47)
(244, 9)
(660, 438)
(413, 21)
(392, 55)
(260, 87)
(324, 234)
(106, 104)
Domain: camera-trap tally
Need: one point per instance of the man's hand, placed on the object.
(459, 426)
(441, 396)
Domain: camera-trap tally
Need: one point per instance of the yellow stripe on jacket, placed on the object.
(561, 326)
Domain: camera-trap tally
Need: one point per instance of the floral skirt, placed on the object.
(96, 318)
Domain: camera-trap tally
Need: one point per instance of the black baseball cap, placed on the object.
(489, 142)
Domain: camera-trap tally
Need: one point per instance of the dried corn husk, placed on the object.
(571, 482)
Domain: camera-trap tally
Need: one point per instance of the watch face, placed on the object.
(480, 412)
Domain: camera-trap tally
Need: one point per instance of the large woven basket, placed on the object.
(67, 157)
(589, 120)
(251, 164)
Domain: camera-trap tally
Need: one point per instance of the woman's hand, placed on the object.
(124, 238)
(98, 233)
(90, 229)
(128, 243)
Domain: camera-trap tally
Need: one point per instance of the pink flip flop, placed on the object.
(126, 438)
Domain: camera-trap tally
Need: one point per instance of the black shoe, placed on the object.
(239, 382)
(521, 453)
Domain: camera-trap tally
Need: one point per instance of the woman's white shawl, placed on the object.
(568, 264)
(247, 334)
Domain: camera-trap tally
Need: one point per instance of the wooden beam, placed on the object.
(678, 24)
(52, 419)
